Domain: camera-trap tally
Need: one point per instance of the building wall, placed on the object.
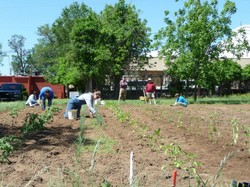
(35, 83)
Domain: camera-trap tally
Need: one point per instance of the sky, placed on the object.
(23, 17)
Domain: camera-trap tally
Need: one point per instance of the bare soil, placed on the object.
(50, 157)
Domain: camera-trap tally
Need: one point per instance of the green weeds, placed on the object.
(7, 147)
(213, 132)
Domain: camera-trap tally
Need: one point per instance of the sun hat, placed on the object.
(149, 79)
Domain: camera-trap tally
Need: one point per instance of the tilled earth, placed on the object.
(157, 135)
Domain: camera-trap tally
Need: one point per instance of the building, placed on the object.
(34, 83)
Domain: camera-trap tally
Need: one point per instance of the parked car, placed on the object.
(13, 92)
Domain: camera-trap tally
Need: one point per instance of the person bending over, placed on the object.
(46, 93)
(75, 103)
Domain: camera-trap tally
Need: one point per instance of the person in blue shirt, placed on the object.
(180, 100)
(75, 103)
(46, 93)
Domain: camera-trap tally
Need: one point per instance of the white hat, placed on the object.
(149, 79)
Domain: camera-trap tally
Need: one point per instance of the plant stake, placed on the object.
(131, 169)
(174, 178)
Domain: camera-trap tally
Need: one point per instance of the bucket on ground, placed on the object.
(72, 114)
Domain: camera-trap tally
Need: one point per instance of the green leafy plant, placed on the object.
(234, 124)
(213, 132)
(32, 123)
(6, 146)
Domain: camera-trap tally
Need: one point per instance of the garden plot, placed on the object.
(206, 143)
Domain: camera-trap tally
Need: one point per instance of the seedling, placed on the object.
(6, 147)
(234, 124)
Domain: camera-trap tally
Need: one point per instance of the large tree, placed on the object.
(197, 37)
(82, 45)
(19, 62)
(89, 51)
(1, 56)
(53, 53)
(128, 38)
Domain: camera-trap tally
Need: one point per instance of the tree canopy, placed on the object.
(20, 64)
(82, 45)
(196, 39)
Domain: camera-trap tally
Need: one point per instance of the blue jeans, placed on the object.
(44, 102)
(74, 104)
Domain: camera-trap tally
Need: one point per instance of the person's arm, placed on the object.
(89, 102)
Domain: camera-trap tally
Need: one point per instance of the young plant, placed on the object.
(6, 147)
(32, 123)
(14, 114)
(213, 132)
(81, 139)
(234, 124)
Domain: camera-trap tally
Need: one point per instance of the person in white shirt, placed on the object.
(32, 100)
(75, 103)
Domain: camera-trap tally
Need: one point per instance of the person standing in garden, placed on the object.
(76, 102)
(123, 89)
(180, 101)
(150, 91)
(46, 93)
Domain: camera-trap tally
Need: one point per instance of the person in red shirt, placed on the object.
(150, 91)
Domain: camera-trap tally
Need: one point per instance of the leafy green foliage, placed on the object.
(82, 45)
(32, 123)
(19, 63)
(196, 38)
(6, 146)
(246, 72)
(35, 122)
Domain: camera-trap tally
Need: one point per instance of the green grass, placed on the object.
(17, 105)
(233, 99)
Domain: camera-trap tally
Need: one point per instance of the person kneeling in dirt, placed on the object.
(180, 101)
(32, 100)
(75, 103)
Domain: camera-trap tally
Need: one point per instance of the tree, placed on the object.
(19, 61)
(246, 72)
(127, 38)
(197, 37)
(246, 76)
(82, 46)
(1, 54)
(91, 56)
(53, 53)
(225, 73)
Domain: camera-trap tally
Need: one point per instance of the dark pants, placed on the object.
(44, 102)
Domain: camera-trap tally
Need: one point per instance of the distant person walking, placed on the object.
(123, 89)
(46, 93)
(180, 101)
(75, 103)
(150, 91)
